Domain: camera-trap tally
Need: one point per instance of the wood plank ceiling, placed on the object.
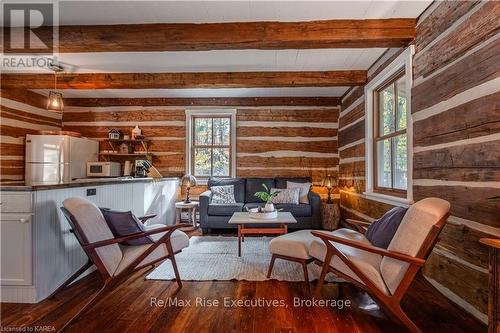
(199, 55)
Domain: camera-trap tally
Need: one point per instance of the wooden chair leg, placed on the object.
(398, 312)
(324, 271)
(271, 265)
(72, 278)
(306, 276)
(174, 263)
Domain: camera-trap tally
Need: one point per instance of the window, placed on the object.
(210, 144)
(390, 136)
(389, 133)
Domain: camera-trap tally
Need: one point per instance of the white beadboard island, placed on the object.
(38, 250)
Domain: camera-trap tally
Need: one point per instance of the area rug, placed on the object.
(211, 258)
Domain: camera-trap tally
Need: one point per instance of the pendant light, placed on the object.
(55, 101)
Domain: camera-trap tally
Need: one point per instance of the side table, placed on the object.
(191, 208)
(330, 215)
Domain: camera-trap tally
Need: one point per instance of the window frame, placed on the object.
(191, 115)
(377, 137)
(401, 61)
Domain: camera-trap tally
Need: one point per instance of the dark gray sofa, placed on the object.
(216, 216)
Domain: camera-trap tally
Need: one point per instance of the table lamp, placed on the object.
(188, 181)
(330, 182)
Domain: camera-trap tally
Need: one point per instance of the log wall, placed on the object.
(456, 122)
(270, 141)
(21, 113)
(456, 115)
(352, 149)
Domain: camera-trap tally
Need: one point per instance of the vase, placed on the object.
(269, 207)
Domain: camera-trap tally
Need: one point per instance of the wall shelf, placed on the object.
(115, 143)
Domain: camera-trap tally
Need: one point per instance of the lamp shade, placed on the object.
(330, 181)
(55, 102)
(188, 180)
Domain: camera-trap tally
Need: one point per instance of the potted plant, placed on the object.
(267, 196)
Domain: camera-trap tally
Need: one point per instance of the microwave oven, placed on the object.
(103, 169)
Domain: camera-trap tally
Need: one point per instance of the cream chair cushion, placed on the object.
(179, 241)
(368, 263)
(94, 227)
(410, 236)
(295, 244)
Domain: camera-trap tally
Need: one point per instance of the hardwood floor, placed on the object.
(127, 309)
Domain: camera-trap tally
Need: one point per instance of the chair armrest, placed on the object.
(315, 202)
(360, 226)
(204, 199)
(144, 218)
(111, 241)
(369, 248)
(358, 222)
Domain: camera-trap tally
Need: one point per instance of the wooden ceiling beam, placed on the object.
(185, 80)
(204, 101)
(397, 32)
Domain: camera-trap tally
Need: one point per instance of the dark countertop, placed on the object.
(84, 183)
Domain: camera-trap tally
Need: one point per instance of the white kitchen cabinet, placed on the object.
(16, 238)
(39, 252)
(16, 249)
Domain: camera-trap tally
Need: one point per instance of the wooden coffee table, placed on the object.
(251, 226)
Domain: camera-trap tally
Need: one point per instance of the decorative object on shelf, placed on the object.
(188, 181)
(114, 134)
(267, 196)
(133, 148)
(125, 148)
(140, 137)
(136, 132)
(330, 215)
(55, 101)
(330, 182)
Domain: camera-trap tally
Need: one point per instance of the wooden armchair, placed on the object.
(115, 261)
(386, 274)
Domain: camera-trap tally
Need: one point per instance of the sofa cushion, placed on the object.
(304, 190)
(281, 181)
(123, 224)
(300, 210)
(286, 196)
(254, 185)
(238, 183)
(223, 194)
(381, 231)
(224, 209)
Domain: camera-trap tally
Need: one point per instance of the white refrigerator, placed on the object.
(57, 159)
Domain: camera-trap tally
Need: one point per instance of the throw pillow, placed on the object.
(223, 194)
(124, 224)
(381, 231)
(304, 190)
(286, 196)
